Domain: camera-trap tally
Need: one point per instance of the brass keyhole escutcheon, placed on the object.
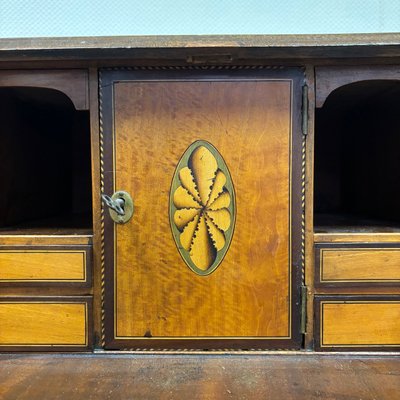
(120, 206)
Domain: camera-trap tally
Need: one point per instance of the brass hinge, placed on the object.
(303, 320)
(304, 122)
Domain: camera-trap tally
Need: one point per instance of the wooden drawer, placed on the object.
(348, 264)
(49, 265)
(357, 322)
(45, 323)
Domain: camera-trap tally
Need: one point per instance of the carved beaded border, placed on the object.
(101, 134)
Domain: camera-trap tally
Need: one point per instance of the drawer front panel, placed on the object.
(36, 265)
(45, 323)
(357, 265)
(357, 322)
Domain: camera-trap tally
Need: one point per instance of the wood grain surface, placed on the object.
(73, 82)
(199, 377)
(330, 78)
(249, 295)
(43, 322)
(308, 265)
(161, 48)
(368, 323)
(249, 124)
(96, 202)
(62, 238)
(368, 264)
(42, 265)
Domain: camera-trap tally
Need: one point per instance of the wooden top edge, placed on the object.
(199, 41)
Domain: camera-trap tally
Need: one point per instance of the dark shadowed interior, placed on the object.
(357, 159)
(45, 177)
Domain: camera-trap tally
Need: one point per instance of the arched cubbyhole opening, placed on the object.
(45, 172)
(357, 159)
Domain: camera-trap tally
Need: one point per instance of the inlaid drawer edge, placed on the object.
(344, 264)
(357, 322)
(45, 323)
(46, 266)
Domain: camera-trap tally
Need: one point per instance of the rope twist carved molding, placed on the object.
(196, 68)
(102, 226)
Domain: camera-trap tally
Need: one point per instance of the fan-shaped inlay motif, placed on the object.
(202, 207)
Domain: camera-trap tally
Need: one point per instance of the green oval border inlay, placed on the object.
(183, 162)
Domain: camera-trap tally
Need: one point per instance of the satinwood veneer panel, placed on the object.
(158, 130)
(45, 323)
(357, 264)
(51, 265)
(357, 322)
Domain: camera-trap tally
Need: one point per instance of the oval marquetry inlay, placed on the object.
(202, 207)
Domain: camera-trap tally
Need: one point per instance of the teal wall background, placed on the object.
(33, 18)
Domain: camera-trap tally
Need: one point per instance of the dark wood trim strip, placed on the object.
(182, 47)
(203, 344)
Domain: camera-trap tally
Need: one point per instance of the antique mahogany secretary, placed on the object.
(200, 193)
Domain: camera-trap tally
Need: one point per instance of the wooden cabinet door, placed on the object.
(211, 258)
